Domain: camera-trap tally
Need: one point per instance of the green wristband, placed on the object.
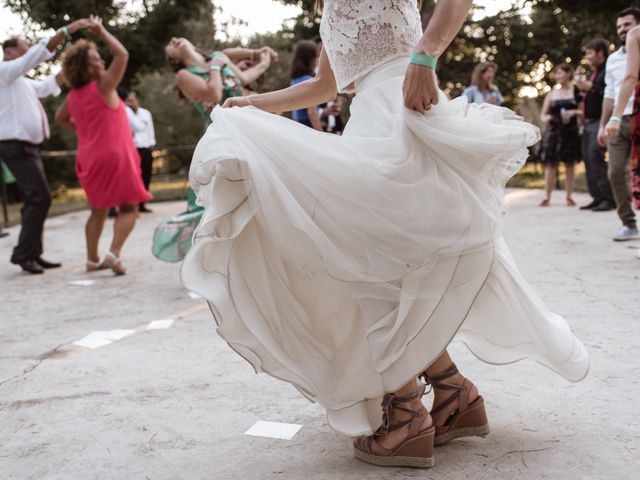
(615, 119)
(428, 61)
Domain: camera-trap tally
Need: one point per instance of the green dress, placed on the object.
(172, 238)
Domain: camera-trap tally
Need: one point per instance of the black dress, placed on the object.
(561, 141)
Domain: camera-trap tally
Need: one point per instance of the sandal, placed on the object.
(95, 266)
(415, 451)
(112, 261)
(545, 202)
(570, 202)
(468, 420)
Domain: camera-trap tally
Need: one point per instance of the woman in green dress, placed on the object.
(206, 81)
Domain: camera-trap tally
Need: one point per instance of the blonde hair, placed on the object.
(320, 5)
(75, 63)
(478, 72)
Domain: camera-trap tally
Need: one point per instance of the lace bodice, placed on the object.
(359, 35)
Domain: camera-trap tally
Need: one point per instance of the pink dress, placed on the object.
(107, 163)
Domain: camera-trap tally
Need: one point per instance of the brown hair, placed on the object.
(10, 43)
(565, 67)
(320, 5)
(177, 65)
(304, 56)
(598, 45)
(75, 63)
(479, 71)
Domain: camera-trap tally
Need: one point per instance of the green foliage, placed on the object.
(144, 32)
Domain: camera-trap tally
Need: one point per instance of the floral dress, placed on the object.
(172, 238)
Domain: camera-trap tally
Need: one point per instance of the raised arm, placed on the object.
(11, 70)
(629, 82)
(250, 75)
(420, 84)
(314, 91)
(112, 77)
(236, 54)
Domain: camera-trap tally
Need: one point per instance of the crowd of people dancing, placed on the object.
(575, 113)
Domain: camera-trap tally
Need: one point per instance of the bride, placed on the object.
(346, 265)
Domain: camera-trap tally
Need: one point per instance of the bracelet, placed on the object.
(247, 98)
(65, 31)
(615, 119)
(216, 68)
(428, 61)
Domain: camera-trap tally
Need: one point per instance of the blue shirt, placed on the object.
(301, 115)
(475, 95)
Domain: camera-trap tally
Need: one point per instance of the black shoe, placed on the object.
(44, 264)
(144, 209)
(3, 234)
(31, 266)
(590, 206)
(603, 207)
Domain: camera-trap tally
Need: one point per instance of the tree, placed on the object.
(145, 31)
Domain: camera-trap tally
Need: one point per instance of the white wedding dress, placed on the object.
(346, 265)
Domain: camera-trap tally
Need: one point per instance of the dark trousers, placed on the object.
(24, 161)
(593, 156)
(146, 162)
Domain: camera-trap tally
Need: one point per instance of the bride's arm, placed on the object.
(420, 85)
(314, 91)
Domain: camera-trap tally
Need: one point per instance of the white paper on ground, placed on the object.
(118, 334)
(101, 338)
(82, 283)
(283, 431)
(93, 340)
(159, 324)
(194, 295)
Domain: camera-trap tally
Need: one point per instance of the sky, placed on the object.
(261, 15)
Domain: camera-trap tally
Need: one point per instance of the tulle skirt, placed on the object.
(345, 265)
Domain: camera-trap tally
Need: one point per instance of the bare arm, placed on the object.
(420, 84)
(314, 91)
(545, 116)
(196, 88)
(313, 118)
(250, 75)
(112, 77)
(64, 119)
(72, 28)
(236, 54)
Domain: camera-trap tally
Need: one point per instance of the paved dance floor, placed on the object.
(124, 378)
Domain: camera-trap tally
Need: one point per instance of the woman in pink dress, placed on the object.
(107, 163)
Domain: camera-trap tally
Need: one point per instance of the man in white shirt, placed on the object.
(23, 126)
(620, 147)
(145, 140)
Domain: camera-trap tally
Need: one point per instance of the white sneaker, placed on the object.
(627, 233)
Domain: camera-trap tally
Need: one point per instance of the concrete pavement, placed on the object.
(174, 403)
